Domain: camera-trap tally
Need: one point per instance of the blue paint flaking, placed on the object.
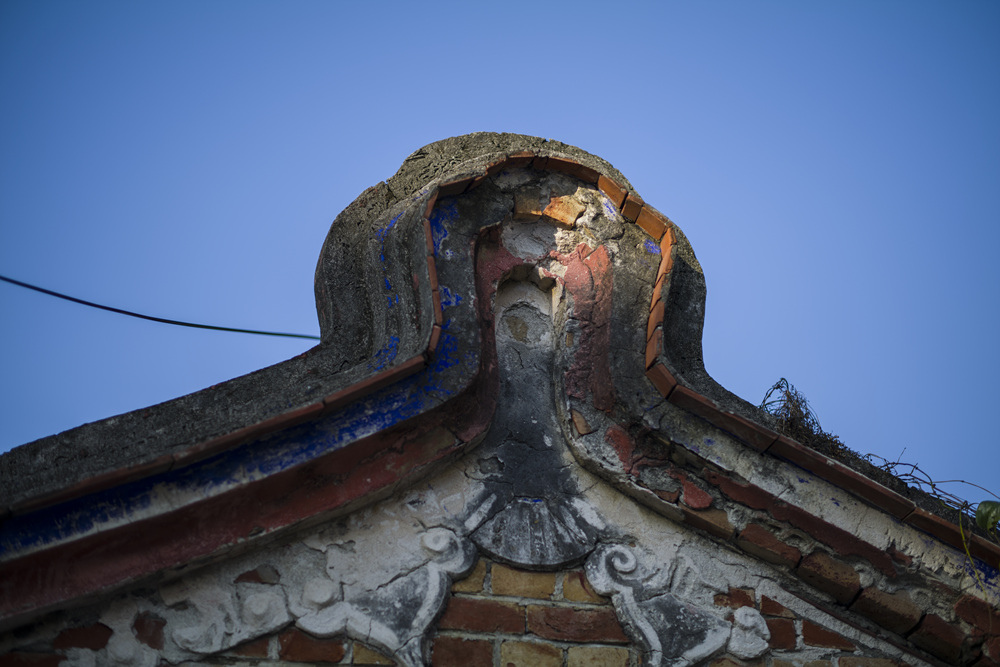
(651, 246)
(989, 575)
(257, 459)
(386, 355)
(448, 299)
(375, 412)
(382, 235)
(835, 502)
(440, 216)
(610, 209)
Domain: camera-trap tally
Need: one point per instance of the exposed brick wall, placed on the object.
(954, 628)
(503, 616)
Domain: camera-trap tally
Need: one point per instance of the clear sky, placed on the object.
(836, 166)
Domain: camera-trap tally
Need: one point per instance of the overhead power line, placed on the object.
(150, 317)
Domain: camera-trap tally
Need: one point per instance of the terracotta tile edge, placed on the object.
(843, 618)
(94, 484)
(573, 168)
(374, 383)
(652, 222)
(631, 207)
(837, 473)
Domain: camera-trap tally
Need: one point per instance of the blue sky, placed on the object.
(836, 166)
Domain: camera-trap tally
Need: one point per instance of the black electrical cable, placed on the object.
(149, 317)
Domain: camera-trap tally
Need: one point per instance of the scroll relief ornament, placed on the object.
(672, 633)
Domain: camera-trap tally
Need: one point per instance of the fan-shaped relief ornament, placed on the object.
(396, 615)
(671, 632)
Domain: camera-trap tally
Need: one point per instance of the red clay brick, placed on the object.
(655, 318)
(478, 615)
(614, 192)
(843, 477)
(576, 625)
(621, 442)
(735, 598)
(573, 168)
(895, 612)
(564, 211)
(527, 205)
(771, 607)
(148, 629)
(938, 637)
(758, 541)
(693, 402)
(297, 646)
(264, 574)
(580, 423)
(428, 235)
(816, 635)
(253, 649)
(783, 635)
(726, 661)
(836, 538)
(753, 434)
(669, 239)
(434, 340)
(669, 496)
(899, 556)
(977, 612)
(632, 207)
(95, 637)
(456, 187)
(512, 161)
(522, 583)
(597, 656)
(365, 655)
(991, 647)
(652, 223)
(712, 521)
(576, 588)
(654, 349)
(661, 378)
(831, 576)
(694, 497)
(530, 654)
(458, 652)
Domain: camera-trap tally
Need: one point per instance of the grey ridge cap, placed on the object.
(355, 323)
(144, 437)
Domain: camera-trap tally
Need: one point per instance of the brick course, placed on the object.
(458, 652)
(572, 624)
(817, 635)
(736, 598)
(473, 583)
(297, 646)
(596, 656)
(530, 654)
(507, 581)
(830, 576)
(482, 615)
(896, 611)
(783, 634)
(758, 541)
(939, 638)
